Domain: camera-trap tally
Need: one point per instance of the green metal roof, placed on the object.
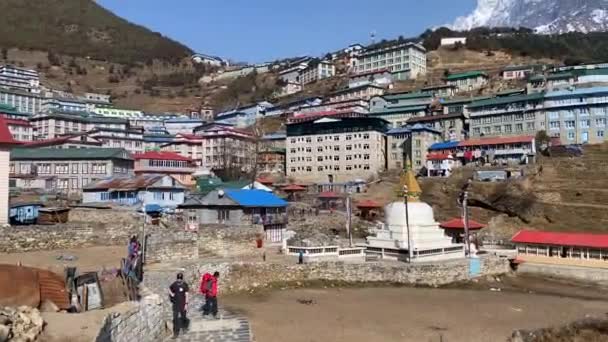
(82, 117)
(6, 109)
(509, 92)
(68, 153)
(506, 100)
(398, 110)
(468, 74)
(464, 100)
(407, 96)
(590, 72)
(560, 76)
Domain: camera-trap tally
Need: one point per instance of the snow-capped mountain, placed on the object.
(545, 16)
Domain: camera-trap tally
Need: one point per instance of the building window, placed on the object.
(336, 138)
(74, 168)
(349, 137)
(62, 184)
(349, 147)
(62, 169)
(571, 135)
(585, 123)
(530, 126)
(554, 125)
(519, 127)
(600, 134)
(223, 214)
(74, 183)
(98, 168)
(320, 158)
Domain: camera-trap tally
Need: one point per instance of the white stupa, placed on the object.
(427, 241)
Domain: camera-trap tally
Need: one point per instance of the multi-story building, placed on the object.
(271, 160)
(80, 140)
(186, 145)
(23, 101)
(64, 102)
(391, 101)
(226, 147)
(382, 78)
(52, 125)
(403, 60)
(317, 70)
(517, 72)
(166, 163)
(336, 149)
(452, 126)
(68, 170)
(291, 106)
(182, 125)
(510, 115)
(411, 143)
(19, 78)
(492, 150)
(441, 90)
(153, 141)
(118, 112)
(398, 116)
(577, 116)
(131, 139)
(467, 81)
(243, 116)
(20, 129)
(364, 92)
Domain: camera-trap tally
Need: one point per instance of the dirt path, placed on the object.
(404, 314)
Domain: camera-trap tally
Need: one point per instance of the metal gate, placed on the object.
(274, 233)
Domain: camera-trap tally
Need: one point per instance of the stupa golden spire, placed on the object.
(408, 181)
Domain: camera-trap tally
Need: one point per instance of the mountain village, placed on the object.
(297, 192)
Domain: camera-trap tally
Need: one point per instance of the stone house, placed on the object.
(238, 207)
(160, 190)
(468, 81)
(68, 170)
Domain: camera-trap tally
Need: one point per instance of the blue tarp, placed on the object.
(256, 198)
(444, 145)
(153, 208)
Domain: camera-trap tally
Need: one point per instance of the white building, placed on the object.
(22, 100)
(200, 58)
(453, 41)
(404, 60)
(19, 78)
(317, 70)
(326, 149)
(6, 143)
(382, 78)
(467, 81)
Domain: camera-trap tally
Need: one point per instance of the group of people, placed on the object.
(178, 294)
(132, 267)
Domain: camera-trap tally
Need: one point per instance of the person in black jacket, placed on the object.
(178, 293)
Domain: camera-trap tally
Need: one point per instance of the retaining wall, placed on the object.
(585, 274)
(143, 323)
(171, 245)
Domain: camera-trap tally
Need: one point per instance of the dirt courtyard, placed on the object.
(405, 314)
(87, 259)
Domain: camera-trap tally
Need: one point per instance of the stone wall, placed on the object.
(144, 323)
(171, 245)
(16, 239)
(226, 241)
(240, 276)
(585, 274)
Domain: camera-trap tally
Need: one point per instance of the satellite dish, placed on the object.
(220, 193)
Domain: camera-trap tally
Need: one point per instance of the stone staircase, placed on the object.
(228, 327)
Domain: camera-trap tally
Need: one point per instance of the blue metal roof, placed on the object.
(255, 198)
(444, 145)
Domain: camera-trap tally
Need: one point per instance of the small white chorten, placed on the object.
(427, 240)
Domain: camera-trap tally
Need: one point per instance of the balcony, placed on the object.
(164, 169)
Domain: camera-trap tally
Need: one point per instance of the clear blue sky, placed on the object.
(261, 30)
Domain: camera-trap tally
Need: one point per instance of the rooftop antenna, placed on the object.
(373, 36)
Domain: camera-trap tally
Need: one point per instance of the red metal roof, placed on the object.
(561, 239)
(157, 155)
(438, 156)
(368, 204)
(294, 187)
(6, 138)
(496, 141)
(458, 223)
(329, 194)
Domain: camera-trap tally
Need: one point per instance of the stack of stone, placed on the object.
(22, 324)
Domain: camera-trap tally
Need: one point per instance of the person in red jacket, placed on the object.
(210, 292)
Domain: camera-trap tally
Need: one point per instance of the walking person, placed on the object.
(178, 293)
(210, 292)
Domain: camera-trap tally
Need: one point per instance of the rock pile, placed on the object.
(22, 324)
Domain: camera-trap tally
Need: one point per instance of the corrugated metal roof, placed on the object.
(255, 198)
(444, 145)
(68, 153)
(575, 92)
(6, 138)
(458, 223)
(129, 182)
(507, 100)
(496, 141)
(468, 74)
(562, 239)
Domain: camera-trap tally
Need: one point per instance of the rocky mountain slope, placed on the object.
(82, 28)
(545, 16)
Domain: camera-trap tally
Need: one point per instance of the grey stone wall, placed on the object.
(144, 323)
(171, 245)
(78, 234)
(228, 241)
(585, 274)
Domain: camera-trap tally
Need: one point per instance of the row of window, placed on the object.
(168, 163)
(62, 168)
(330, 167)
(329, 148)
(334, 138)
